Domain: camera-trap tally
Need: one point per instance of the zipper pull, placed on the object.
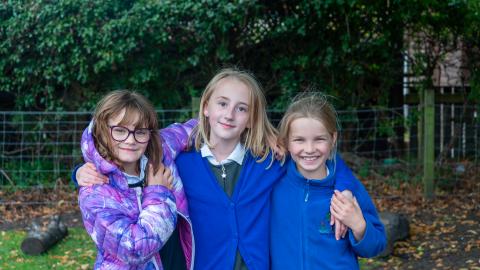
(307, 191)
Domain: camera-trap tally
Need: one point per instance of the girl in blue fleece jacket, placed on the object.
(301, 235)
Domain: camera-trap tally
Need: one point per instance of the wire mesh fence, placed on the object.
(39, 148)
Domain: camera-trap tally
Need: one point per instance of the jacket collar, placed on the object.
(297, 178)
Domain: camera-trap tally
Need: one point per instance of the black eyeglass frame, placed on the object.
(131, 132)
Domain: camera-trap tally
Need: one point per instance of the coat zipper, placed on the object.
(307, 190)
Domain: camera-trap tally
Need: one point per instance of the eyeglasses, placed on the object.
(120, 134)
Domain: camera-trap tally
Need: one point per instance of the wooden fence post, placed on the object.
(420, 128)
(428, 142)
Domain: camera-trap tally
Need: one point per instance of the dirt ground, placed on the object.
(444, 231)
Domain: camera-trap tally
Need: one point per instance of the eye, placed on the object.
(242, 109)
(298, 140)
(141, 132)
(119, 130)
(222, 104)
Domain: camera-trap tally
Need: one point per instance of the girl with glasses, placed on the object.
(132, 216)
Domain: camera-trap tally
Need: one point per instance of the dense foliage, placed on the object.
(61, 55)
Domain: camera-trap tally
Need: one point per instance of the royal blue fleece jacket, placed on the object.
(224, 224)
(300, 233)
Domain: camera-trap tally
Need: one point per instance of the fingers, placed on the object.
(337, 205)
(95, 177)
(150, 174)
(163, 176)
(170, 181)
(340, 196)
(355, 202)
(347, 194)
(340, 230)
(166, 172)
(167, 175)
(87, 175)
(332, 219)
(341, 208)
(337, 230)
(343, 230)
(337, 215)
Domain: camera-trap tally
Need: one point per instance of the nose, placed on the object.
(229, 113)
(309, 147)
(130, 138)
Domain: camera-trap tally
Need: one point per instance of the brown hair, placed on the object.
(261, 133)
(134, 104)
(311, 105)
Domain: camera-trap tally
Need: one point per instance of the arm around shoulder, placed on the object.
(175, 137)
(345, 179)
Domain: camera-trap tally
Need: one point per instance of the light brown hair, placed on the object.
(135, 105)
(261, 133)
(313, 105)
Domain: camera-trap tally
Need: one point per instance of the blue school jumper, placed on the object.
(222, 224)
(301, 236)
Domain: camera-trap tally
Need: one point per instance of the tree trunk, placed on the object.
(41, 239)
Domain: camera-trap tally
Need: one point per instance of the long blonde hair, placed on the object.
(261, 133)
(134, 104)
(313, 105)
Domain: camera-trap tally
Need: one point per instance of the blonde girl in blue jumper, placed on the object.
(301, 235)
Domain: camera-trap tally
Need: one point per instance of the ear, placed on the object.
(205, 110)
(334, 141)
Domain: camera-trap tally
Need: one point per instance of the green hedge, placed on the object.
(64, 54)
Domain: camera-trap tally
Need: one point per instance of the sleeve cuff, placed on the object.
(73, 177)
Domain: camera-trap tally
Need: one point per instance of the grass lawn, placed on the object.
(76, 251)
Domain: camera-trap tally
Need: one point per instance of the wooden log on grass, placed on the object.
(397, 228)
(40, 239)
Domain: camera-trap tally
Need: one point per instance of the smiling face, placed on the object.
(310, 145)
(128, 152)
(227, 111)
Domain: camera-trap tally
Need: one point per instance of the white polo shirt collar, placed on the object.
(237, 155)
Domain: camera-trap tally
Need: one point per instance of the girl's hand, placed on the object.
(349, 213)
(340, 228)
(87, 175)
(163, 177)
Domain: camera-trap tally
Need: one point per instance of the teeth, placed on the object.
(309, 158)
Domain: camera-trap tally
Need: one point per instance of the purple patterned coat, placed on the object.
(127, 238)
